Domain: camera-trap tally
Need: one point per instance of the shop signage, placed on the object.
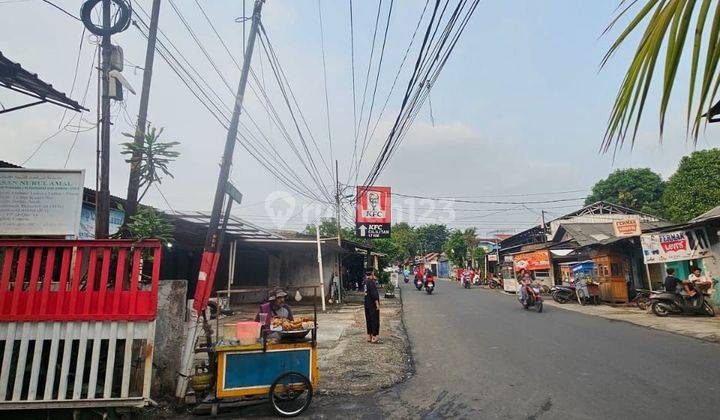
(87, 221)
(492, 257)
(678, 245)
(536, 260)
(37, 202)
(627, 227)
(372, 212)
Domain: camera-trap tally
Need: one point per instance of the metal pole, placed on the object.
(320, 267)
(205, 276)
(102, 198)
(647, 271)
(339, 239)
(134, 180)
(205, 282)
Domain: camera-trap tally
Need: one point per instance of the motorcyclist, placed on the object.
(524, 280)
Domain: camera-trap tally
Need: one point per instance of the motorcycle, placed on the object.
(429, 286)
(642, 298)
(466, 283)
(406, 279)
(563, 294)
(665, 303)
(418, 283)
(495, 284)
(533, 300)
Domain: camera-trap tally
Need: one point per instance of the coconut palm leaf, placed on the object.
(668, 24)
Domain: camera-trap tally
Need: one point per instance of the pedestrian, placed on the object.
(372, 308)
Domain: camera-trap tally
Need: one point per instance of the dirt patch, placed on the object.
(356, 367)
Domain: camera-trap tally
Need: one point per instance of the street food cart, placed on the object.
(586, 287)
(280, 366)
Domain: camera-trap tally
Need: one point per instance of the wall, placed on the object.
(169, 337)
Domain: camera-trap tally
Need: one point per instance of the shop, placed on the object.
(538, 262)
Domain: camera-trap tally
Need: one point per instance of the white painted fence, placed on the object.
(75, 364)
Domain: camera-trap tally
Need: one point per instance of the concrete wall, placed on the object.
(169, 337)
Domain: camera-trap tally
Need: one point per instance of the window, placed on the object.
(615, 269)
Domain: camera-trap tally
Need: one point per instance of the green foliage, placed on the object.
(148, 223)
(393, 253)
(328, 228)
(456, 247)
(431, 238)
(154, 157)
(672, 24)
(479, 256)
(637, 189)
(405, 238)
(695, 186)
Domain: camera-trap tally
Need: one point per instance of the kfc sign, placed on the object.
(372, 212)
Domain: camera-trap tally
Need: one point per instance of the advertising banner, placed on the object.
(681, 245)
(536, 260)
(36, 202)
(87, 221)
(627, 227)
(372, 212)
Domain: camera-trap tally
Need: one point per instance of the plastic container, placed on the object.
(229, 331)
(247, 332)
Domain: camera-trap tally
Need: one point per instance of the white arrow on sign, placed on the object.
(362, 230)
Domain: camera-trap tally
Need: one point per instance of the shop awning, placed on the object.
(14, 77)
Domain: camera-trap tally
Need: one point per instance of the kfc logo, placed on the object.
(373, 205)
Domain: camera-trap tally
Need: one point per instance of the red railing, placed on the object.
(84, 280)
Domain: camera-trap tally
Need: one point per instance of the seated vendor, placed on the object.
(275, 307)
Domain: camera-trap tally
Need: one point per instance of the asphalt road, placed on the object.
(479, 355)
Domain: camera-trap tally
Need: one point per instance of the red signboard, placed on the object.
(372, 212)
(536, 260)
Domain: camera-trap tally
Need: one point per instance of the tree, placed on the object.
(695, 187)
(149, 160)
(405, 237)
(148, 223)
(328, 228)
(431, 237)
(479, 256)
(456, 247)
(637, 189)
(668, 23)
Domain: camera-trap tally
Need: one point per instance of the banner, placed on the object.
(35, 202)
(627, 227)
(536, 260)
(681, 245)
(372, 212)
(87, 221)
(492, 257)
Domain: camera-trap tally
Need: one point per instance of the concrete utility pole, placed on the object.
(102, 197)
(320, 266)
(210, 252)
(337, 202)
(134, 180)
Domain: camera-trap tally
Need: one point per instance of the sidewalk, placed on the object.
(700, 327)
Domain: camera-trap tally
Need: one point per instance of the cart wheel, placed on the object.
(290, 394)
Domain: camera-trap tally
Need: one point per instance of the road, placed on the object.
(478, 354)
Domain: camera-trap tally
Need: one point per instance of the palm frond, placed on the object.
(668, 23)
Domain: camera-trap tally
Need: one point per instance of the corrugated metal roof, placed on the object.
(708, 215)
(586, 234)
(14, 77)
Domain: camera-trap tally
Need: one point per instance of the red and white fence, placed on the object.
(75, 317)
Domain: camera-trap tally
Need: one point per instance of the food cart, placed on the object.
(280, 367)
(586, 288)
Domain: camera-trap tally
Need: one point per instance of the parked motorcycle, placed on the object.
(642, 298)
(666, 303)
(534, 298)
(429, 285)
(495, 284)
(563, 294)
(418, 283)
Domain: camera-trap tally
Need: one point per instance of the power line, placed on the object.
(62, 10)
(456, 200)
(327, 100)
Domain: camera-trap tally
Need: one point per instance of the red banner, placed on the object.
(373, 205)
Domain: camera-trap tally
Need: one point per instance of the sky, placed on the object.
(516, 117)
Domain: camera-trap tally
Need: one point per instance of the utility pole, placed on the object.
(102, 197)
(542, 214)
(337, 202)
(139, 140)
(211, 251)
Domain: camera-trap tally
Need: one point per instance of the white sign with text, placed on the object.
(39, 202)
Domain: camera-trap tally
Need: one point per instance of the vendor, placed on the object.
(275, 307)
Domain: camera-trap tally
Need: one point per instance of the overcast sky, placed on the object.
(519, 109)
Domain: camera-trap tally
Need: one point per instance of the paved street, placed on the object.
(479, 355)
